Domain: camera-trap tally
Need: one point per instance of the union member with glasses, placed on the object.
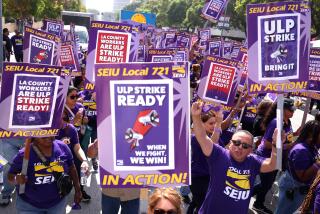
(269, 124)
(232, 171)
(76, 113)
(165, 201)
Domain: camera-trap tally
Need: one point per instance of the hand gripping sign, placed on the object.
(144, 122)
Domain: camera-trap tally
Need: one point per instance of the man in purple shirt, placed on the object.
(232, 171)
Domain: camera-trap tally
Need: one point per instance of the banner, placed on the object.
(143, 124)
(32, 100)
(110, 43)
(68, 58)
(213, 9)
(278, 46)
(40, 47)
(314, 70)
(140, 17)
(219, 80)
(53, 26)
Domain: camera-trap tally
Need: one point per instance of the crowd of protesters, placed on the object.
(228, 151)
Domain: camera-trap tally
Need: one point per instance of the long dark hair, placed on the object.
(309, 197)
(310, 129)
(270, 115)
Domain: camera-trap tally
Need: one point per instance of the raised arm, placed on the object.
(269, 164)
(205, 142)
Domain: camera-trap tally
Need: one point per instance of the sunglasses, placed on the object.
(244, 145)
(72, 97)
(161, 211)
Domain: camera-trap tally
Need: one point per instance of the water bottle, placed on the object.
(83, 177)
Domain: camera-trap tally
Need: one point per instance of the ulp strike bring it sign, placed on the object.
(278, 46)
(142, 123)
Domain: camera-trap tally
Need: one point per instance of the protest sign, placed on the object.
(53, 26)
(143, 124)
(32, 100)
(278, 46)
(214, 48)
(219, 80)
(111, 43)
(243, 57)
(314, 70)
(213, 9)
(170, 40)
(227, 49)
(40, 47)
(204, 36)
(183, 40)
(68, 58)
(161, 55)
(139, 17)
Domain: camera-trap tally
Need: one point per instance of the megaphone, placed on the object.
(152, 118)
(133, 137)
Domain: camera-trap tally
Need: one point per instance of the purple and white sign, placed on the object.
(143, 124)
(32, 99)
(213, 9)
(150, 127)
(314, 70)
(214, 48)
(40, 47)
(68, 59)
(53, 26)
(227, 49)
(219, 80)
(112, 43)
(278, 46)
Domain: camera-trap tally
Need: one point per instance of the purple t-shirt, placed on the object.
(74, 111)
(301, 157)
(316, 205)
(41, 188)
(249, 114)
(69, 136)
(199, 164)
(226, 135)
(230, 184)
(262, 150)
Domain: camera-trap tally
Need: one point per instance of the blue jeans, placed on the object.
(111, 205)
(26, 208)
(8, 149)
(286, 205)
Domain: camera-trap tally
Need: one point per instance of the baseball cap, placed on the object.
(289, 104)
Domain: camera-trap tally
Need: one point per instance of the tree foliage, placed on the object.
(39, 8)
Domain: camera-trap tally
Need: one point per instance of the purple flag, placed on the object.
(213, 9)
(53, 26)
